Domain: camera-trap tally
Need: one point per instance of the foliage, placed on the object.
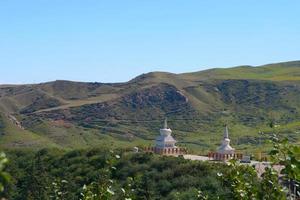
(98, 191)
(287, 155)
(62, 175)
(59, 190)
(270, 186)
(4, 176)
(99, 174)
(245, 184)
(242, 180)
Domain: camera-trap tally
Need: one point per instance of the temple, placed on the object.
(225, 151)
(165, 139)
(225, 147)
(165, 144)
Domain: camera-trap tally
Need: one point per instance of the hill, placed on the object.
(67, 114)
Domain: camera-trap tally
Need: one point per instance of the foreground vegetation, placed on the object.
(99, 174)
(38, 175)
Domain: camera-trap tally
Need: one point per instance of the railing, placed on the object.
(166, 150)
(221, 156)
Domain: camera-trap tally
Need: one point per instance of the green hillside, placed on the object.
(67, 114)
(286, 71)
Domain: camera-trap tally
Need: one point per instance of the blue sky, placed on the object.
(113, 41)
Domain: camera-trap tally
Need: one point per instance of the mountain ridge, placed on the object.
(70, 114)
(295, 63)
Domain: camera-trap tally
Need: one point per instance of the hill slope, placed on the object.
(69, 114)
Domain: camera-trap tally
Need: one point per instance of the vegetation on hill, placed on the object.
(99, 174)
(153, 177)
(68, 114)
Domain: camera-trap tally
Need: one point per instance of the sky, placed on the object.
(116, 40)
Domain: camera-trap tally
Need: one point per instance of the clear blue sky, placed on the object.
(115, 40)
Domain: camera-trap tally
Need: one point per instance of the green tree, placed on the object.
(35, 184)
(242, 180)
(59, 190)
(270, 188)
(287, 155)
(145, 187)
(102, 189)
(4, 176)
(245, 184)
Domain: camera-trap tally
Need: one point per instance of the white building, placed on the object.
(225, 151)
(165, 144)
(165, 139)
(225, 147)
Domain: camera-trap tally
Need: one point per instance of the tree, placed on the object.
(4, 176)
(245, 184)
(35, 183)
(242, 180)
(288, 156)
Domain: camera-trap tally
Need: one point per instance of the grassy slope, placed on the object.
(198, 87)
(15, 137)
(288, 71)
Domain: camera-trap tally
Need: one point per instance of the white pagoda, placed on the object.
(165, 139)
(225, 147)
(225, 151)
(165, 144)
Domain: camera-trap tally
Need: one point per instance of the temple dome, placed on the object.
(165, 131)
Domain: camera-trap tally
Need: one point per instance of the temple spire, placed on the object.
(225, 147)
(165, 139)
(226, 133)
(166, 124)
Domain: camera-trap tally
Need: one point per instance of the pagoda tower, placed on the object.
(225, 147)
(165, 144)
(225, 151)
(165, 139)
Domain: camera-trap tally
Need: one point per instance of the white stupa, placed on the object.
(165, 139)
(225, 147)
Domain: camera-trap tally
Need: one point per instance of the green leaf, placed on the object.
(273, 152)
